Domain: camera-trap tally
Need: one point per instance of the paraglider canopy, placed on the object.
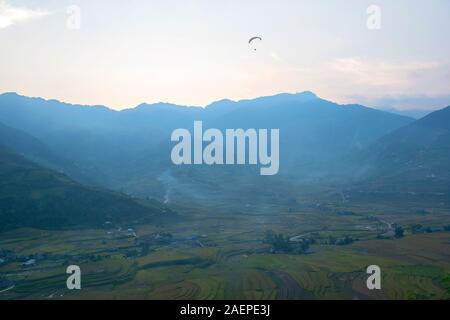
(253, 39)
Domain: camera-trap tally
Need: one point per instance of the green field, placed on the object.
(222, 255)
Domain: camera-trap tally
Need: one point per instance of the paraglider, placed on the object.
(253, 39)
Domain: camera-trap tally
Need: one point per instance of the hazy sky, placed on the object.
(196, 52)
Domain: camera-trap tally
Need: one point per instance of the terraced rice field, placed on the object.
(234, 264)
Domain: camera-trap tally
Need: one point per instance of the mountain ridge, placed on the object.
(130, 149)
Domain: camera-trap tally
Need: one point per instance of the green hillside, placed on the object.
(31, 196)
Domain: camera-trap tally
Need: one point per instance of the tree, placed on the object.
(331, 240)
(278, 241)
(399, 232)
(416, 228)
(282, 244)
(345, 241)
(305, 246)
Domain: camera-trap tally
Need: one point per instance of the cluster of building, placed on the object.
(8, 256)
(122, 233)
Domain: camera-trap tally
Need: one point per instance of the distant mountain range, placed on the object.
(321, 142)
(416, 157)
(413, 113)
(120, 145)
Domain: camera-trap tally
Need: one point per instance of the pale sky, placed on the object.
(196, 52)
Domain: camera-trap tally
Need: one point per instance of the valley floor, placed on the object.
(223, 256)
